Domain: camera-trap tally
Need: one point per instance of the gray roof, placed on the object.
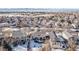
(60, 38)
(18, 34)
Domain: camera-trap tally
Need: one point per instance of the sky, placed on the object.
(39, 3)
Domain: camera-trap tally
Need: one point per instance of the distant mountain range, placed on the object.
(37, 10)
